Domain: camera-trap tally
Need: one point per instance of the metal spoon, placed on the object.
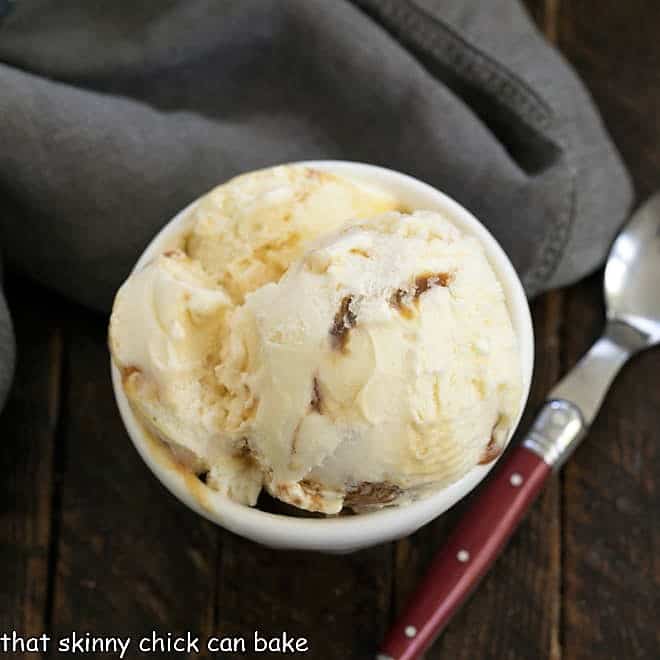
(632, 297)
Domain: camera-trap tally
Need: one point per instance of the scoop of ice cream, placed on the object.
(168, 318)
(249, 231)
(381, 366)
(170, 324)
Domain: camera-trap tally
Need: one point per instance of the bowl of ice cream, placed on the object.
(335, 336)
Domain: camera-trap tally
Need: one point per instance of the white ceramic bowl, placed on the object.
(344, 533)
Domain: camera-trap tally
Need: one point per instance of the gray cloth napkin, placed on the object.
(116, 114)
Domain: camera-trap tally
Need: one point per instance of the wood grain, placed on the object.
(612, 486)
(545, 14)
(130, 558)
(615, 50)
(339, 603)
(28, 425)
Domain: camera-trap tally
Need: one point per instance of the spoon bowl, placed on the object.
(632, 273)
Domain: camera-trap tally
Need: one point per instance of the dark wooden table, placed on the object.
(89, 541)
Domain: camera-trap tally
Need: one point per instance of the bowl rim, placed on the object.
(341, 533)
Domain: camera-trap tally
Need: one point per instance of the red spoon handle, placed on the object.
(468, 553)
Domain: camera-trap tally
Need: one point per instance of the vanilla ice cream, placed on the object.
(308, 337)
